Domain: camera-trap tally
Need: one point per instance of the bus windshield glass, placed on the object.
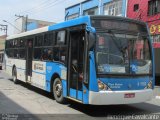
(124, 52)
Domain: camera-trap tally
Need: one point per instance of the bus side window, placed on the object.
(56, 55)
(60, 40)
(38, 50)
(48, 39)
(37, 53)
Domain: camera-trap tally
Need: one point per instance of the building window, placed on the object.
(136, 7)
(92, 11)
(72, 16)
(153, 7)
(113, 8)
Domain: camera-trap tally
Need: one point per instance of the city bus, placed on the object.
(96, 60)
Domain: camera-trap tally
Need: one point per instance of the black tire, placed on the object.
(58, 91)
(14, 75)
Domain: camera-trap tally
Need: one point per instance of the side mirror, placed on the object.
(92, 40)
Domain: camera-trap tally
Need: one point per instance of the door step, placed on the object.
(29, 80)
(74, 99)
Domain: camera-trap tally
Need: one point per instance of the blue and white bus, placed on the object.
(98, 60)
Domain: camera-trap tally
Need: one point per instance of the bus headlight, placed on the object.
(102, 86)
(149, 85)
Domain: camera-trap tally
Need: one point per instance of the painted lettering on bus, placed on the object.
(115, 85)
(38, 66)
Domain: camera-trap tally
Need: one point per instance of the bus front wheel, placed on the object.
(57, 91)
(14, 75)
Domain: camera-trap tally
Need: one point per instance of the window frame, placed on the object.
(136, 7)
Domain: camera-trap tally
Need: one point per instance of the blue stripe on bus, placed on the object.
(93, 86)
(9, 65)
(75, 22)
(64, 85)
(38, 72)
(16, 67)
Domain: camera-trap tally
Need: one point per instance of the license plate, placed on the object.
(129, 95)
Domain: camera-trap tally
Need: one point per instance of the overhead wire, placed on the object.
(44, 3)
(37, 6)
(43, 6)
(46, 7)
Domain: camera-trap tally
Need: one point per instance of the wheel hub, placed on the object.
(58, 89)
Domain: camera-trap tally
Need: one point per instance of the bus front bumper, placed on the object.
(118, 97)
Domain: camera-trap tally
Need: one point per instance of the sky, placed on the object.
(47, 10)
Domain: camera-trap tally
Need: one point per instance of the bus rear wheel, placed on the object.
(58, 90)
(14, 75)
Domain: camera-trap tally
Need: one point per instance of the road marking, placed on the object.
(157, 97)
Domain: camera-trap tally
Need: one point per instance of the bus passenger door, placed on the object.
(29, 56)
(75, 64)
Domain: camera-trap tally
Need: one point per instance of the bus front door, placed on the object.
(75, 65)
(29, 60)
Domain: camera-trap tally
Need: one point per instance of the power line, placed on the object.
(43, 7)
(46, 7)
(40, 6)
(30, 10)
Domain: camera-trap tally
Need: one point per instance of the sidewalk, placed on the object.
(157, 92)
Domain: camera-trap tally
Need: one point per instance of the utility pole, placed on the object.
(4, 28)
(26, 20)
(11, 25)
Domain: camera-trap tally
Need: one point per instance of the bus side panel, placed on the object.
(56, 68)
(9, 66)
(39, 74)
(21, 69)
(93, 84)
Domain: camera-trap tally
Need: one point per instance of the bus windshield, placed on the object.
(123, 53)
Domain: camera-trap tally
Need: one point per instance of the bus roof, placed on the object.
(32, 32)
(69, 23)
(100, 17)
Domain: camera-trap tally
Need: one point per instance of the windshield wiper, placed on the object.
(114, 38)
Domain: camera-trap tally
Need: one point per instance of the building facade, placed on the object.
(148, 11)
(22, 24)
(2, 42)
(2, 47)
(97, 7)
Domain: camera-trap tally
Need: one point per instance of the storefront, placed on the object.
(154, 27)
(155, 32)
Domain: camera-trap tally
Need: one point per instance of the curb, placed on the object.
(157, 97)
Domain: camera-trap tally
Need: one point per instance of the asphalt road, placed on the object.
(23, 101)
